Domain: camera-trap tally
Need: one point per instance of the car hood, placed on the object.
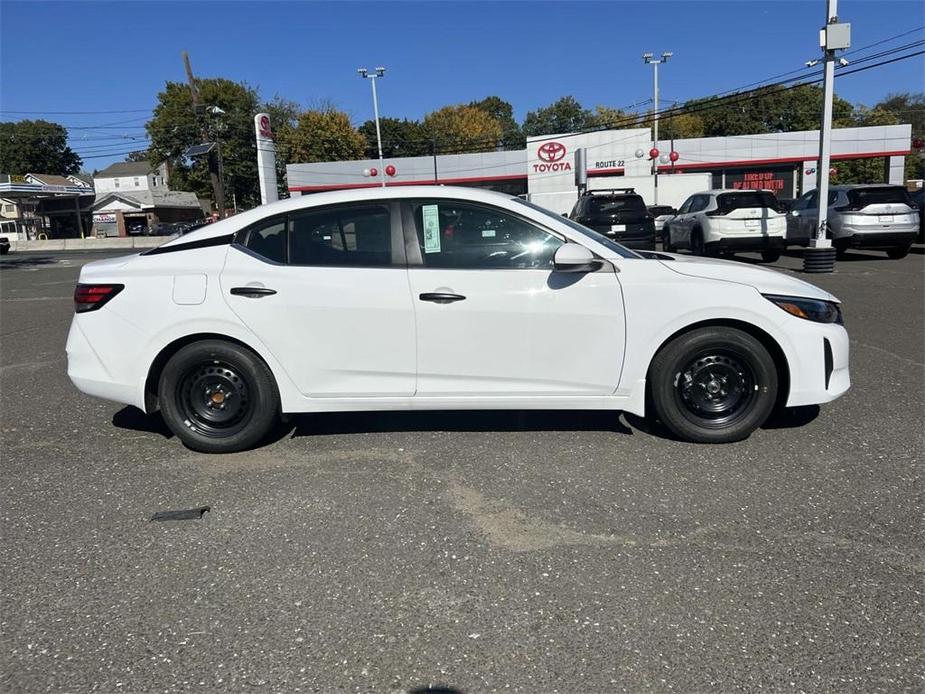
(764, 280)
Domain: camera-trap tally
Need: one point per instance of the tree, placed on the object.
(400, 138)
(137, 155)
(175, 126)
(463, 129)
(563, 116)
(609, 118)
(36, 146)
(322, 134)
(512, 136)
(905, 108)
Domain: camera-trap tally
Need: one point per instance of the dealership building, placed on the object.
(545, 171)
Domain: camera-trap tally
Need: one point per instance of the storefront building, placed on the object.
(545, 171)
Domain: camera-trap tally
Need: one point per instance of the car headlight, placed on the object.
(810, 309)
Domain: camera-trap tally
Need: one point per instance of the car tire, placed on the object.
(218, 397)
(897, 253)
(770, 256)
(697, 245)
(666, 241)
(713, 385)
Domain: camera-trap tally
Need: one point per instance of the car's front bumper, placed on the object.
(819, 367)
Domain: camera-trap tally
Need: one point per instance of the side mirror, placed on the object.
(572, 257)
(565, 214)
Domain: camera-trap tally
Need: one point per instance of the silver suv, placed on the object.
(877, 217)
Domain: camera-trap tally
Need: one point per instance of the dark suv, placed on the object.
(619, 214)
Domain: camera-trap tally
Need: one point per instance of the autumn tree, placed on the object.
(36, 146)
(321, 134)
(512, 136)
(463, 129)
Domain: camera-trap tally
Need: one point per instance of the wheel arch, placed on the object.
(164, 355)
(781, 365)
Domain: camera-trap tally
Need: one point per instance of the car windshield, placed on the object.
(580, 228)
(861, 197)
(600, 204)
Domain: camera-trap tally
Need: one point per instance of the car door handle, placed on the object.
(252, 292)
(441, 297)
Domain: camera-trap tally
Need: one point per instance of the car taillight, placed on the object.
(89, 297)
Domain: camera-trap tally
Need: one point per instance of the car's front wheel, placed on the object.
(713, 385)
(666, 241)
(218, 397)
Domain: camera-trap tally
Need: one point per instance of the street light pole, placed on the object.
(820, 256)
(650, 60)
(379, 72)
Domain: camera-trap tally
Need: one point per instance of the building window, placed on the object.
(154, 181)
(115, 183)
(137, 183)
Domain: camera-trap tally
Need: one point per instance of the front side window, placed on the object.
(345, 236)
(460, 235)
(686, 207)
(699, 202)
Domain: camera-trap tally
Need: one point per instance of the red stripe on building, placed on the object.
(778, 160)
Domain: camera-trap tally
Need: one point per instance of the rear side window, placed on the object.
(861, 197)
(268, 239)
(599, 204)
(751, 198)
(347, 236)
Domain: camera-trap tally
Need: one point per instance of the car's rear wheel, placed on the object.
(218, 397)
(897, 253)
(713, 385)
(770, 256)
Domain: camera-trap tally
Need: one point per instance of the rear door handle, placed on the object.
(441, 297)
(252, 292)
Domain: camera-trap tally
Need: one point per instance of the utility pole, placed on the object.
(379, 72)
(214, 161)
(650, 60)
(820, 256)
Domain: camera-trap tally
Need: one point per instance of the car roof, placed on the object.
(332, 197)
(855, 186)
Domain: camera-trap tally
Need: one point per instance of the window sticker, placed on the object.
(431, 216)
(488, 233)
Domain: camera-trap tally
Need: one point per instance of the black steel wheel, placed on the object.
(218, 397)
(713, 385)
(898, 253)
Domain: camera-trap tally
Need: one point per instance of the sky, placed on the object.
(104, 57)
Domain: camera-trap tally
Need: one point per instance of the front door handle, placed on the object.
(441, 297)
(252, 292)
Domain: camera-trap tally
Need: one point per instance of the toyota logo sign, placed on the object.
(552, 154)
(551, 151)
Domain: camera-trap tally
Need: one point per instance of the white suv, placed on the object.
(726, 221)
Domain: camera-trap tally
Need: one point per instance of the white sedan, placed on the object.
(442, 298)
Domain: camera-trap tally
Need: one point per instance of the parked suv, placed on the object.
(725, 221)
(619, 214)
(876, 216)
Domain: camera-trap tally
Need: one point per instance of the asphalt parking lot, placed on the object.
(547, 551)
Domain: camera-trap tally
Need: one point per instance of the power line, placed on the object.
(79, 113)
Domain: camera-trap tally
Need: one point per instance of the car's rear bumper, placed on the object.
(747, 243)
(89, 372)
(880, 239)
